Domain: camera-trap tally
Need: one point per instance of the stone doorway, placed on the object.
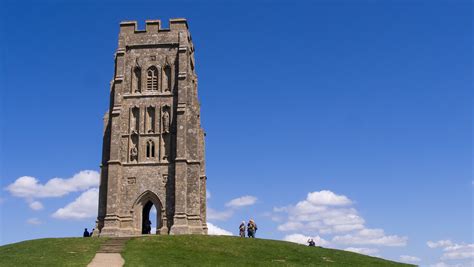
(145, 218)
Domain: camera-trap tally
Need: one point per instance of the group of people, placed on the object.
(251, 229)
(87, 234)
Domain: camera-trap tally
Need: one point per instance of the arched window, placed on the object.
(150, 149)
(152, 78)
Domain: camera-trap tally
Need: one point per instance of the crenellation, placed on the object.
(154, 26)
(128, 27)
(178, 24)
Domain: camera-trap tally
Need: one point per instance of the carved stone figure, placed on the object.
(134, 153)
(147, 136)
(166, 76)
(136, 77)
(166, 121)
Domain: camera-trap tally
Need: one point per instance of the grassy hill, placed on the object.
(183, 251)
(50, 252)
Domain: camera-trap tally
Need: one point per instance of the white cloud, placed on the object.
(439, 264)
(443, 264)
(30, 188)
(272, 216)
(214, 230)
(458, 252)
(241, 201)
(326, 213)
(85, 206)
(213, 214)
(371, 237)
(208, 194)
(219, 215)
(36, 205)
(290, 226)
(303, 239)
(365, 251)
(281, 209)
(407, 258)
(322, 212)
(439, 244)
(328, 198)
(33, 221)
(453, 251)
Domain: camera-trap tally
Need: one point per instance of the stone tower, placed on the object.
(153, 148)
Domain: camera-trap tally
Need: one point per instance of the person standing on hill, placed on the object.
(251, 229)
(242, 229)
(148, 227)
(86, 233)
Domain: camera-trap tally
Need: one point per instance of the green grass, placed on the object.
(188, 250)
(235, 251)
(50, 252)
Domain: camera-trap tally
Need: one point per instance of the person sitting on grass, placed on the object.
(311, 242)
(86, 233)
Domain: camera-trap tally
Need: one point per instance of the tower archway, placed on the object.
(142, 210)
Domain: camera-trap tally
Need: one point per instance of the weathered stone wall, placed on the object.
(153, 149)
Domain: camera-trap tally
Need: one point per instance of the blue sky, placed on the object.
(360, 108)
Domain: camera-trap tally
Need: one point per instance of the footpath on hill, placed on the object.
(108, 254)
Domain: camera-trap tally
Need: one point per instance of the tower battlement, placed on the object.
(176, 35)
(153, 26)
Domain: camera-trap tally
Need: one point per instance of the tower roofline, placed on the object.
(152, 26)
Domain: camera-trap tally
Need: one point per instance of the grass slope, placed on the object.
(188, 250)
(234, 251)
(50, 252)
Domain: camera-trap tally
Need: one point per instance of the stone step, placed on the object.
(113, 245)
(111, 248)
(110, 251)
